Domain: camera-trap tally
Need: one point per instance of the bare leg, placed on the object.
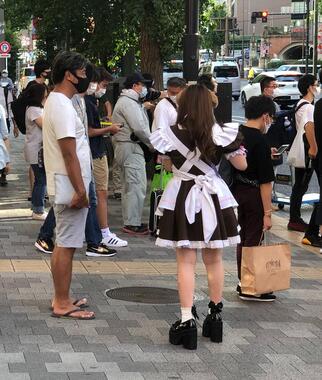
(61, 268)
(186, 262)
(212, 259)
(101, 209)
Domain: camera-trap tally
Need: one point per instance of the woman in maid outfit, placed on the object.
(197, 207)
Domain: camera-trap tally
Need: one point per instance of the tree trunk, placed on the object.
(150, 57)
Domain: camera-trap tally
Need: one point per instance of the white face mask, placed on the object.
(317, 92)
(91, 88)
(5, 75)
(101, 92)
(267, 127)
(143, 93)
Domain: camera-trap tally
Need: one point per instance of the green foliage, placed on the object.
(210, 37)
(119, 25)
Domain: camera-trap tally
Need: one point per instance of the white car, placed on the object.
(287, 92)
(224, 71)
(171, 69)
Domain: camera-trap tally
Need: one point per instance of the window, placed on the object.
(258, 78)
(288, 78)
(226, 72)
(28, 72)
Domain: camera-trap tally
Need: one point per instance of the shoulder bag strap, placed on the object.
(172, 103)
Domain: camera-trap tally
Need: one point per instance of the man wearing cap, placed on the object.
(5, 80)
(130, 112)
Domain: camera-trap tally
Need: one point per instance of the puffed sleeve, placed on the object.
(230, 139)
(161, 141)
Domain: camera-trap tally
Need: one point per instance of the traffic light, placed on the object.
(264, 16)
(255, 15)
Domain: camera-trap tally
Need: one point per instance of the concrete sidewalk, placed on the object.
(127, 340)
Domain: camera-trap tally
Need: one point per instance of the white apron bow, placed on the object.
(199, 199)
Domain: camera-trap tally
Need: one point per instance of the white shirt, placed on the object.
(165, 115)
(33, 139)
(304, 115)
(61, 121)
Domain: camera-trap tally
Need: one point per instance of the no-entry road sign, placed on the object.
(5, 47)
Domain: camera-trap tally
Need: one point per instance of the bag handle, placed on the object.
(262, 237)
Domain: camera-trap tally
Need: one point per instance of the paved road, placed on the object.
(129, 340)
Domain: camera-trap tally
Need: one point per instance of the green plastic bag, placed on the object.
(159, 183)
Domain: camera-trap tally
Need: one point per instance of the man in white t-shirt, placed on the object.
(309, 88)
(68, 170)
(165, 113)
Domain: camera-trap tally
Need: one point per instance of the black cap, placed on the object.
(134, 78)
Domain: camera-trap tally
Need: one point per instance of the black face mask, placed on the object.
(82, 84)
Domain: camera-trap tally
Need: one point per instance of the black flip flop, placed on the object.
(81, 306)
(69, 316)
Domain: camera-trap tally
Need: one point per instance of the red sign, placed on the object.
(5, 47)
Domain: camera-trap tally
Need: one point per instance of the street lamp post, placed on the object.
(307, 50)
(191, 41)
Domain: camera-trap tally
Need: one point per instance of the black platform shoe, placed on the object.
(212, 326)
(185, 333)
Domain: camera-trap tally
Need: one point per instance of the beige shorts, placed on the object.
(100, 172)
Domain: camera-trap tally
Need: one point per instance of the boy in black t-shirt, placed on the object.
(253, 189)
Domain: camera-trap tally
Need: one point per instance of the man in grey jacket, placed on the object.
(130, 112)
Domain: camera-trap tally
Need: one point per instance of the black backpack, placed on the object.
(227, 171)
(19, 107)
(284, 127)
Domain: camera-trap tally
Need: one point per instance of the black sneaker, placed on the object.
(45, 245)
(100, 250)
(238, 289)
(313, 241)
(268, 297)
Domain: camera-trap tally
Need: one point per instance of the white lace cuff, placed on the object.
(161, 142)
(239, 152)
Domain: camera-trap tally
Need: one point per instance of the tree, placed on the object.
(210, 11)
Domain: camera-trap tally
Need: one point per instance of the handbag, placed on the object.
(64, 190)
(296, 155)
(265, 268)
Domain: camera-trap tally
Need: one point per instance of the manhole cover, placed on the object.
(144, 294)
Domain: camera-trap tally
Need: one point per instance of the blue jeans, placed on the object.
(92, 230)
(39, 189)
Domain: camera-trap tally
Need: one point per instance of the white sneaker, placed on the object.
(41, 217)
(113, 241)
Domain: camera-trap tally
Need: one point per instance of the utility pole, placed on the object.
(191, 41)
(243, 44)
(315, 36)
(307, 50)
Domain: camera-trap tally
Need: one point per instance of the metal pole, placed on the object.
(191, 41)
(243, 47)
(315, 36)
(307, 50)
(227, 36)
